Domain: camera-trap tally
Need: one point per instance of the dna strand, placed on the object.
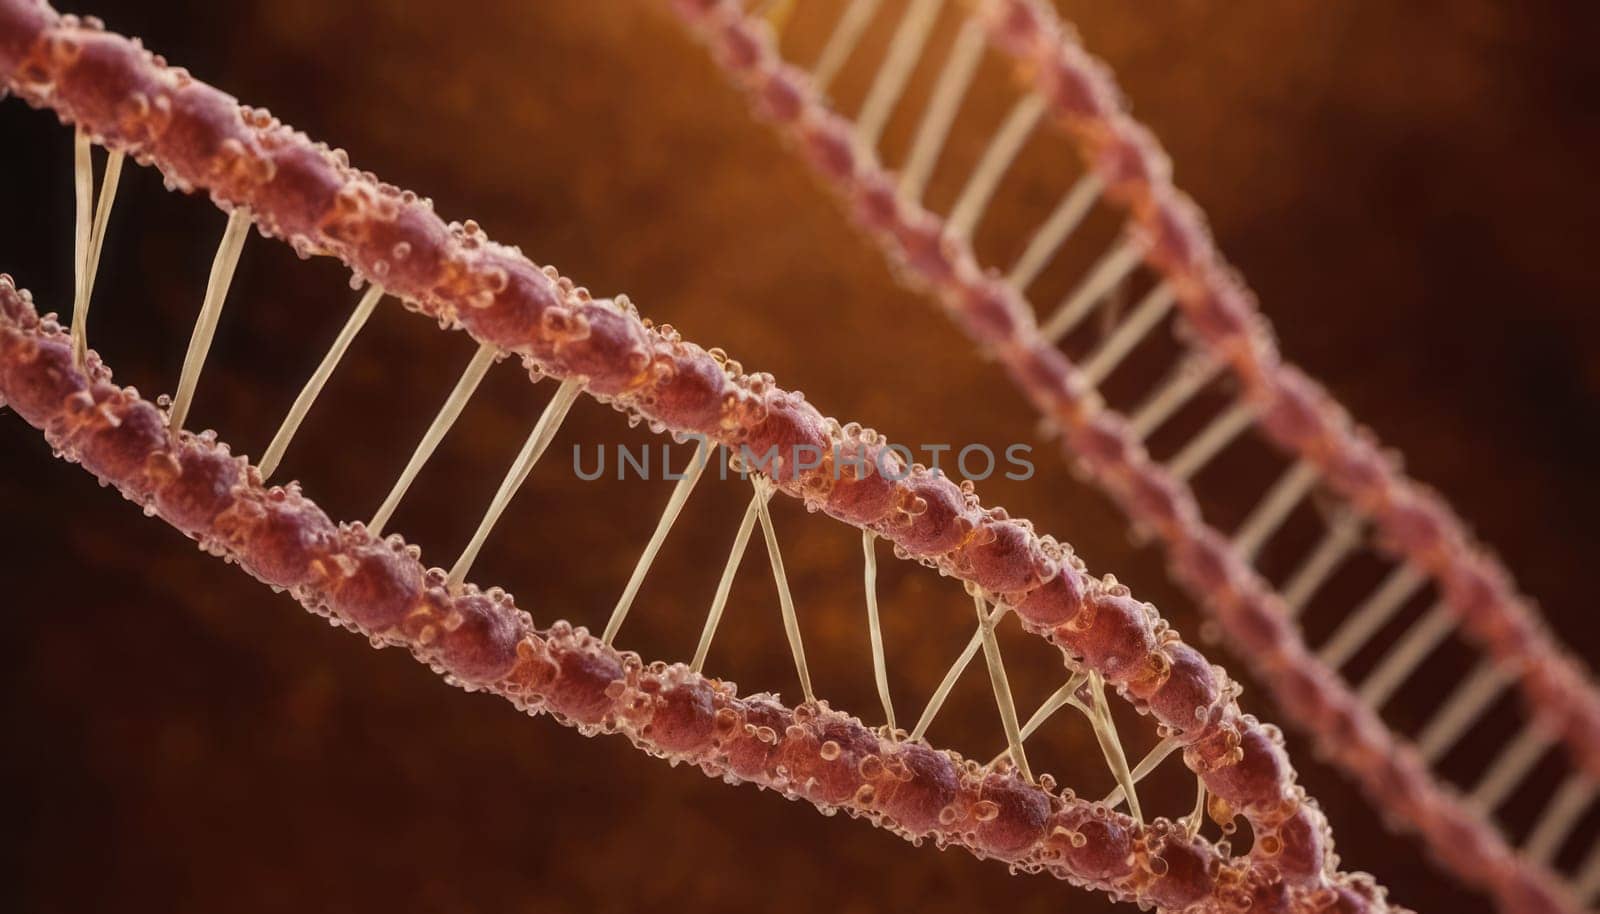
(1225, 345)
(48, 366)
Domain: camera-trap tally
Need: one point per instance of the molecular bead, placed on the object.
(1190, 691)
(122, 450)
(1005, 559)
(21, 25)
(1300, 846)
(478, 641)
(40, 379)
(606, 347)
(1111, 634)
(683, 717)
(195, 485)
(1184, 873)
(1017, 820)
(935, 516)
(583, 677)
(786, 429)
(288, 537)
(862, 475)
(689, 390)
(1095, 845)
(377, 583)
(1051, 604)
(990, 313)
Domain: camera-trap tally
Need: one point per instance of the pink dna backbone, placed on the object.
(263, 173)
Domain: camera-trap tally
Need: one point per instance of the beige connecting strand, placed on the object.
(880, 665)
(205, 327)
(89, 235)
(446, 417)
(741, 542)
(544, 431)
(669, 516)
(319, 379)
(1002, 689)
(791, 622)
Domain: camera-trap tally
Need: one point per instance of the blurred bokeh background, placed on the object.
(1409, 188)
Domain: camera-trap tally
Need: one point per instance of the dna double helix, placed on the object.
(1190, 323)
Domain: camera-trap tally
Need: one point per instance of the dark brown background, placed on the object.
(1410, 191)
